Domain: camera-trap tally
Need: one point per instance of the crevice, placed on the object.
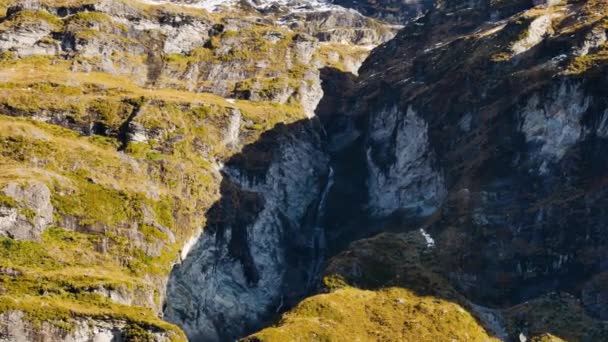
(125, 129)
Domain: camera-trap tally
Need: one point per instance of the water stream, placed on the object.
(319, 243)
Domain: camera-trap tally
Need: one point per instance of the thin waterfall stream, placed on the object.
(319, 243)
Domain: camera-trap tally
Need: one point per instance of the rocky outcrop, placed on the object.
(258, 246)
(274, 59)
(26, 211)
(28, 40)
(340, 26)
(402, 171)
(493, 155)
(393, 11)
(16, 328)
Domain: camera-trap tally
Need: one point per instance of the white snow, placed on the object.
(293, 5)
(430, 242)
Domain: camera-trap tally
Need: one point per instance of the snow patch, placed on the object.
(430, 242)
(294, 6)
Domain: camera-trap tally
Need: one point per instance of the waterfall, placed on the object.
(318, 242)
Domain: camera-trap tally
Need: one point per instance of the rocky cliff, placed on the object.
(132, 133)
(259, 247)
(479, 132)
(194, 170)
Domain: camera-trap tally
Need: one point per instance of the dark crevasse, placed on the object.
(267, 238)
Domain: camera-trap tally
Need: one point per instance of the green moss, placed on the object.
(28, 18)
(137, 149)
(151, 234)
(7, 201)
(585, 63)
(6, 56)
(96, 204)
(29, 214)
(334, 282)
(135, 333)
(24, 253)
(33, 98)
(109, 111)
(391, 314)
(21, 149)
(501, 57)
(48, 40)
(100, 21)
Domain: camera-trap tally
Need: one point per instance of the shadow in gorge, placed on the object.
(265, 244)
(343, 114)
(262, 245)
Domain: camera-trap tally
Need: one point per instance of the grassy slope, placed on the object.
(104, 199)
(388, 288)
(109, 194)
(391, 314)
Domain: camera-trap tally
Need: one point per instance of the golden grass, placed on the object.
(392, 314)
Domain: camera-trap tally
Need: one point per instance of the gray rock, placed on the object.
(400, 164)
(16, 328)
(552, 125)
(242, 266)
(33, 214)
(26, 41)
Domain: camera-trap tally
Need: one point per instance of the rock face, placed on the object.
(184, 47)
(393, 11)
(478, 131)
(31, 213)
(259, 246)
(493, 149)
(18, 329)
(401, 165)
(117, 117)
(473, 141)
(339, 26)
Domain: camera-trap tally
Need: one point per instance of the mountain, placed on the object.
(302, 170)
(117, 117)
(479, 129)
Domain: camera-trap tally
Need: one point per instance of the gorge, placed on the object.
(375, 170)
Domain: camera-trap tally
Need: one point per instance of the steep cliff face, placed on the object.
(120, 128)
(480, 127)
(259, 245)
(396, 12)
(493, 142)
